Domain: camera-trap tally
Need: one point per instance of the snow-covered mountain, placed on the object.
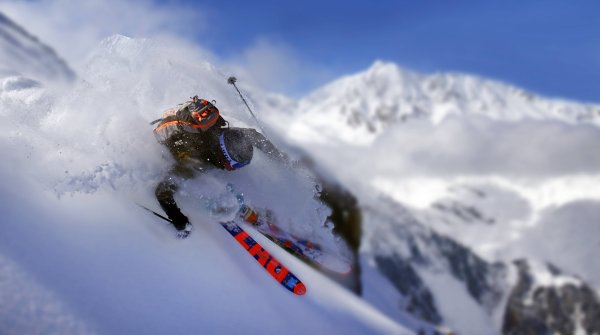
(357, 108)
(491, 190)
(25, 55)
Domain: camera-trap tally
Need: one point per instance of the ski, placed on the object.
(277, 270)
(303, 249)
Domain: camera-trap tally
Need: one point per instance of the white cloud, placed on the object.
(275, 66)
(479, 146)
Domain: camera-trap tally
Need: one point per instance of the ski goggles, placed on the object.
(231, 163)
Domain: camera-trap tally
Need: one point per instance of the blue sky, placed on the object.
(549, 47)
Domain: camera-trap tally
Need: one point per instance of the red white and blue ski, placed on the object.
(304, 249)
(277, 270)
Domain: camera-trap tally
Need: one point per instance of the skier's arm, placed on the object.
(263, 144)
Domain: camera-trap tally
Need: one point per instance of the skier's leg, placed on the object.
(346, 217)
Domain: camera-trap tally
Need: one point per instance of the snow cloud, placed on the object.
(74, 28)
(480, 146)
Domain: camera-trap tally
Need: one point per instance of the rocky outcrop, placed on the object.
(419, 300)
(403, 249)
(564, 306)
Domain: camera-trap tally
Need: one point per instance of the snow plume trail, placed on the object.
(74, 165)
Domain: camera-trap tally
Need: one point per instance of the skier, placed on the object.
(199, 138)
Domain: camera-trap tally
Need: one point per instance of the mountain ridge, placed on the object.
(24, 54)
(359, 107)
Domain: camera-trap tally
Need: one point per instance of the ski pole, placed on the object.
(153, 212)
(232, 81)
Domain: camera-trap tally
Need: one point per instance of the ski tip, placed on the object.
(346, 272)
(300, 289)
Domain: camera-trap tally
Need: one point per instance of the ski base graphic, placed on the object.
(277, 270)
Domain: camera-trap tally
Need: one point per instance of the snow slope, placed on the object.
(74, 167)
(119, 271)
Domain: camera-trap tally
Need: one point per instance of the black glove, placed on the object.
(185, 231)
(182, 224)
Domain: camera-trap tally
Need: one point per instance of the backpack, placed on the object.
(190, 117)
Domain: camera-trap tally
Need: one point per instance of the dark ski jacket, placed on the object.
(194, 141)
(192, 138)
